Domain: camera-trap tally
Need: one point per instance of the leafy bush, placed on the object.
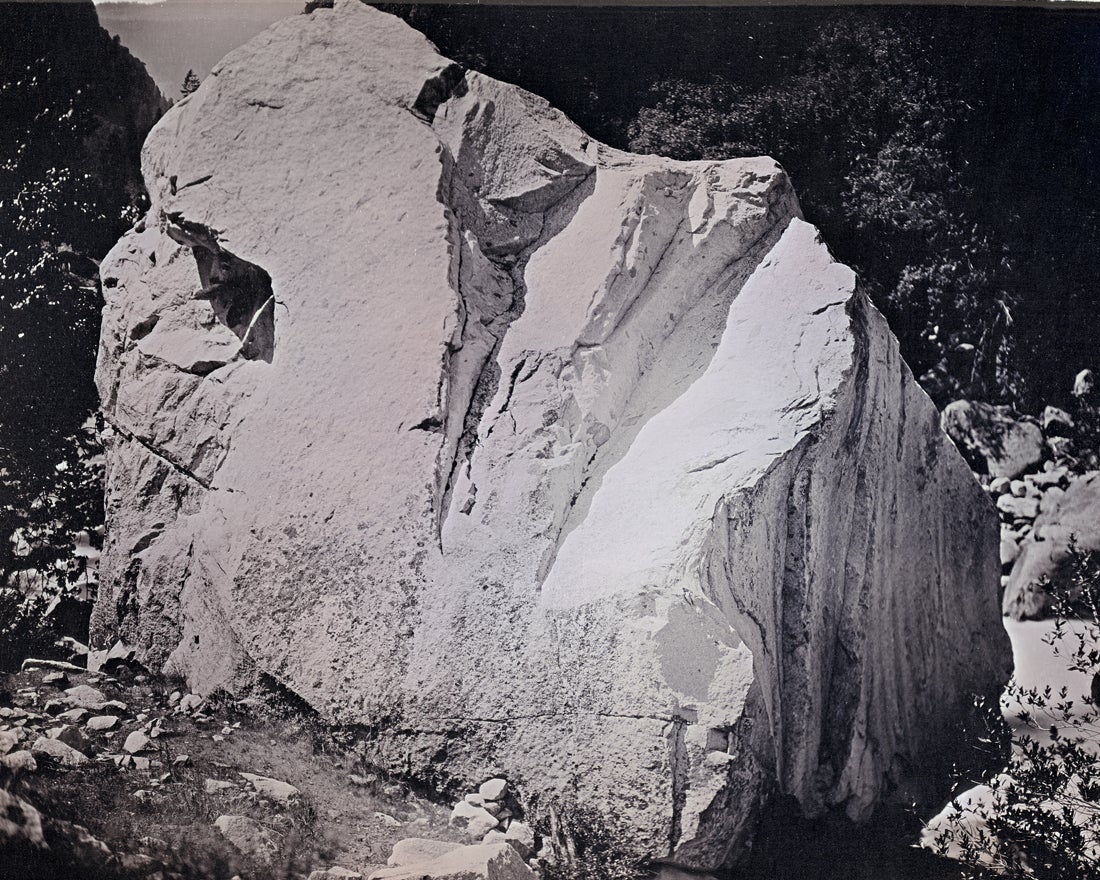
(582, 845)
(1040, 817)
(25, 630)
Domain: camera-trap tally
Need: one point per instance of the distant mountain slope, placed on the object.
(175, 36)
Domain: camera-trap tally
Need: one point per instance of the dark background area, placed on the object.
(949, 154)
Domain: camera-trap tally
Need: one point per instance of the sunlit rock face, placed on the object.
(531, 457)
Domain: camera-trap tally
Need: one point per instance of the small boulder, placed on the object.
(283, 792)
(190, 703)
(1018, 488)
(335, 873)
(493, 790)
(55, 750)
(1046, 554)
(56, 679)
(1056, 476)
(84, 696)
(475, 821)
(213, 786)
(137, 742)
(96, 659)
(247, 835)
(388, 820)
(1018, 508)
(999, 485)
(498, 861)
(416, 850)
(993, 438)
(9, 739)
(100, 723)
(73, 716)
(521, 836)
(18, 762)
(20, 823)
(71, 736)
(119, 653)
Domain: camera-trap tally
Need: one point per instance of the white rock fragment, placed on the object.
(276, 790)
(20, 761)
(493, 790)
(475, 821)
(417, 850)
(479, 862)
(85, 696)
(137, 742)
(247, 835)
(100, 723)
(55, 750)
(20, 823)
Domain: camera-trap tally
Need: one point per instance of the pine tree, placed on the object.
(190, 83)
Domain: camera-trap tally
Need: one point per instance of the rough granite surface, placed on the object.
(533, 458)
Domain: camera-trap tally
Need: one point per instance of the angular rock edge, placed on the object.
(526, 456)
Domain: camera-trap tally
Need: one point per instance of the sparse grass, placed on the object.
(584, 844)
(167, 816)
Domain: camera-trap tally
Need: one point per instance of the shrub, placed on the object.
(582, 844)
(1040, 817)
(25, 630)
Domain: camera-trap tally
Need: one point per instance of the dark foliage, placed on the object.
(949, 155)
(191, 83)
(1040, 817)
(25, 630)
(74, 109)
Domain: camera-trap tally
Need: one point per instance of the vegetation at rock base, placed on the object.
(581, 843)
(1040, 817)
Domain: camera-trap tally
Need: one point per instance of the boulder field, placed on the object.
(528, 457)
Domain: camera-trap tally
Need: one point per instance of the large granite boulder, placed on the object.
(1045, 561)
(532, 458)
(995, 440)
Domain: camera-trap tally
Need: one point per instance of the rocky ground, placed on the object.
(1042, 474)
(118, 774)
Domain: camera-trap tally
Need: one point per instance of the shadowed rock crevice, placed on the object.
(241, 297)
(492, 238)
